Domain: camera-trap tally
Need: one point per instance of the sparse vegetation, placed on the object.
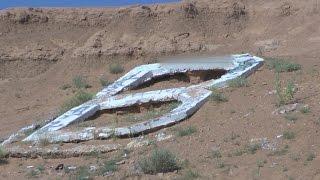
(186, 131)
(217, 96)
(280, 152)
(253, 148)
(65, 86)
(289, 135)
(284, 94)
(305, 110)
(160, 161)
(104, 81)
(238, 82)
(216, 154)
(116, 68)
(79, 98)
(190, 175)
(280, 65)
(83, 173)
(291, 117)
(295, 157)
(311, 156)
(3, 155)
(80, 82)
(44, 142)
(108, 167)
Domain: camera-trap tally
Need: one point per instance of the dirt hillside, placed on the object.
(43, 49)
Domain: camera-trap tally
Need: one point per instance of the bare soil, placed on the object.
(41, 49)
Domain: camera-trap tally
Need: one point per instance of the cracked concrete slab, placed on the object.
(191, 98)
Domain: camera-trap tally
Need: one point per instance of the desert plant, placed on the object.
(186, 131)
(160, 161)
(217, 96)
(108, 167)
(79, 98)
(104, 81)
(291, 117)
(311, 156)
(65, 86)
(116, 68)
(80, 82)
(216, 154)
(284, 94)
(288, 135)
(190, 175)
(253, 148)
(305, 110)
(83, 173)
(3, 155)
(238, 82)
(280, 65)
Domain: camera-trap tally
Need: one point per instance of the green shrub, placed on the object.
(3, 155)
(238, 82)
(104, 81)
(190, 175)
(116, 68)
(216, 154)
(160, 161)
(186, 131)
(83, 173)
(217, 96)
(311, 156)
(289, 135)
(291, 117)
(280, 65)
(305, 110)
(78, 99)
(108, 166)
(80, 82)
(284, 94)
(253, 148)
(65, 86)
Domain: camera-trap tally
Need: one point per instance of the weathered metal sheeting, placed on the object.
(191, 98)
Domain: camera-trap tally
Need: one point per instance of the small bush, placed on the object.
(253, 148)
(116, 68)
(280, 65)
(311, 156)
(65, 86)
(44, 142)
(83, 173)
(289, 135)
(216, 154)
(104, 81)
(108, 166)
(79, 98)
(217, 96)
(186, 131)
(3, 155)
(190, 175)
(160, 161)
(279, 152)
(305, 110)
(238, 82)
(291, 117)
(284, 94)
(80, 82)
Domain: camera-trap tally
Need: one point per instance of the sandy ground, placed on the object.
(43, 49)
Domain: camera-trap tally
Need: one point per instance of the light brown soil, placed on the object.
(43, 49)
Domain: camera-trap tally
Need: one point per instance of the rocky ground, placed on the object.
(43, 50)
